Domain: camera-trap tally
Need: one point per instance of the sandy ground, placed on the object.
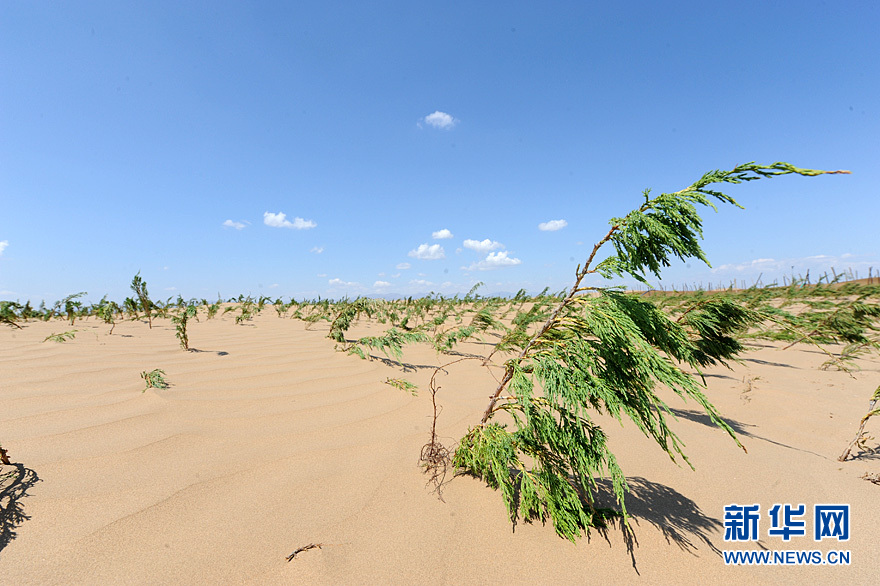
(268, 441)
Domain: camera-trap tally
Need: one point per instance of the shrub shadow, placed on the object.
(15, 481)
(767, 362)
(727, 376)
(867, 454)
(738, 427)
(218, 353)
(679, 519)
(404, 366)
(703, 418)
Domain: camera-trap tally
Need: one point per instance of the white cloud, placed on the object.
(482, 245)
(552, 225)
(421, 282)
(441, 234)
(341, 283)
(762, 263)
(495, 260)
(379, 284)
(440, 120)
(301, 224)
(321, 275)
(280, 220)
(3, 245)
(274, 286)
(770, 269)
(231, 224)
(317, 249)
(428, 252)
(403, 266)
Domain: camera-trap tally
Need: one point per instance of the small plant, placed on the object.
(403, 385)
(131, 307)
(107, 310)
(390, 344)
(70, 305)
(155, 379)
(212, 307)
(180, 320)
(347, 314)
(861, 437)
(139, 286)
(8, 315)
(62, 337)
(247, 311)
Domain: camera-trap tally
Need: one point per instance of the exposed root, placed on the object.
(435, 458)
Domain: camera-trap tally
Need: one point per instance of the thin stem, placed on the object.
(580, 274)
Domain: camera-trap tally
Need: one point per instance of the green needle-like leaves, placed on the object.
(611, 353)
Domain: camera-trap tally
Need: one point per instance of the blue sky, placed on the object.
(304, 149)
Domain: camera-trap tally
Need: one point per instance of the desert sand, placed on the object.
(268, 440)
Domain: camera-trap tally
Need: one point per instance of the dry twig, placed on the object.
(304, 548)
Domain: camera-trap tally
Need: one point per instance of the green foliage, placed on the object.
(155, 379)
(714, 326)
(212, 308)
(69, 305)
(62, 337)
(403, 385)
(444, 341)
(348, 312)
(27, 311)
(472, 294)
(8, 313)
(131, 306)
(247, 311)
(608, 352)
(160, 309)
(517, 337)
(180, 321)
(544, 490)
(139, 286)
(281, 307)
(861, 439)
(107, 310)
(391, 343)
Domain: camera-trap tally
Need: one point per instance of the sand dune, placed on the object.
(269, 440)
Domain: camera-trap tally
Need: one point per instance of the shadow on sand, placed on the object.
(739, 428)
(15, 480)
(217, 352)
(677, 517)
